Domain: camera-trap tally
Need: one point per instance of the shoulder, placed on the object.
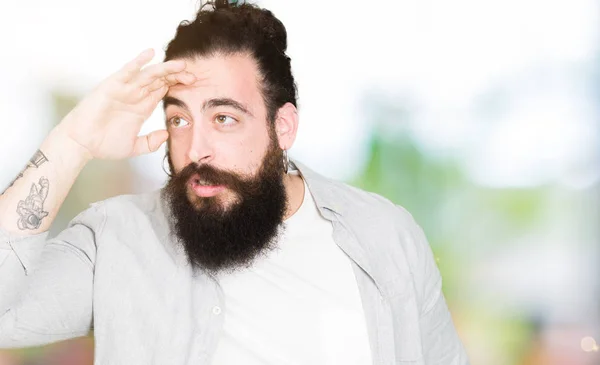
(121, 208)
(374, 218)
(365, 205)
(390, 232)
(367, 211)
(130, 203)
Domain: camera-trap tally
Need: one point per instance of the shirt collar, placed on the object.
(321, 189)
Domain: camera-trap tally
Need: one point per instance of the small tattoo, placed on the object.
(31, 210)
(36, 161)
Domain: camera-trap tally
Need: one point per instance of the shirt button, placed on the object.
(216, 310)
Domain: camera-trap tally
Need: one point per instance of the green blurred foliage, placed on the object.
(462, 221)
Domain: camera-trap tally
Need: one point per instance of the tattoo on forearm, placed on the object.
(31, 210)
(36, 161)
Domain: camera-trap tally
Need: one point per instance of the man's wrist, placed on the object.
(61, 148)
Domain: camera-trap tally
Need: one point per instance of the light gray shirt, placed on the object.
(118, 269)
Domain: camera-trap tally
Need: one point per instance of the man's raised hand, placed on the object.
(106, 123)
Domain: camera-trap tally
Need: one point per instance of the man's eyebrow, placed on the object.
(213, 103)
(169, 100)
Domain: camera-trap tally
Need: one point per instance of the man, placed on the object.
(245, 256)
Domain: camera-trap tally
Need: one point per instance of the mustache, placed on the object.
(212, 175)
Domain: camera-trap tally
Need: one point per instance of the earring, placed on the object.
(286, 161)
(163, 167)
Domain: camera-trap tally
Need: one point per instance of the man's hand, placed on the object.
(106, 123)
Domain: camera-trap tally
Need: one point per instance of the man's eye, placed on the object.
(178, 122)
(225, 120)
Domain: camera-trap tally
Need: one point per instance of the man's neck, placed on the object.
(294, 188)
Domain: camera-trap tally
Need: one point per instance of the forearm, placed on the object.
(30, 204)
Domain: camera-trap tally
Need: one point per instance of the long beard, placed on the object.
(222, 236)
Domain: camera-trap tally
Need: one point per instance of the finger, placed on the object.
(158, 94)
(183, 77)
(154, 72)
(156, 84)
(150, 142)
(131, 68)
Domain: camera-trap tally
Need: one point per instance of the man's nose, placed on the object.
(201, 150)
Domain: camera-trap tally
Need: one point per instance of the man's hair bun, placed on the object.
(273, 30)
(226, 4)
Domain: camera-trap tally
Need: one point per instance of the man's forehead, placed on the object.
(224, 69)
(220, 77)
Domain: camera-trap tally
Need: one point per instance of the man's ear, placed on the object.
(286, 125)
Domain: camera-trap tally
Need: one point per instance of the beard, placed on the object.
(219, 234)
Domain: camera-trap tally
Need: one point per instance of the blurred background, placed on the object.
(482, 118)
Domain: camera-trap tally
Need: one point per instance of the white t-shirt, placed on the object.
(298, 305)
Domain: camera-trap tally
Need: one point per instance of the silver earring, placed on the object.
(286, 161)
(163, 167)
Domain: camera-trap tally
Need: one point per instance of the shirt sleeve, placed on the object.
(46, 286)
(440, 341)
